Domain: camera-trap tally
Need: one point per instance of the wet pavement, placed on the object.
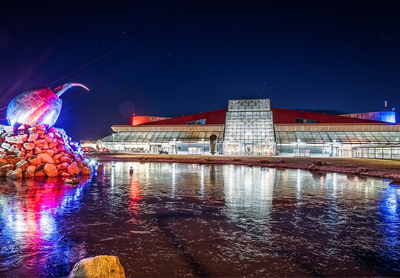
(203, 220)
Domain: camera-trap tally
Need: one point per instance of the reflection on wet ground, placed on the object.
(203, 220)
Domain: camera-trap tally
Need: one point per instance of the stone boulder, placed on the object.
(49, 152)
(35, 160)
(312, 167)
(62, 166)
(57, 156)
(29, 146)
(317, 162)
(5, 145)
(13, 160)
(33, 137)
(7, 167)
(3, 161)
(65, 175)
(46, 158)
(361, 169)
(86, 171)
(40, 174)
(50, 170)
(9, 173)
(73, 169)
(100, 266)
(65, 159)
(22, 164)
(16, 174)
(30, 171)
(18, 139)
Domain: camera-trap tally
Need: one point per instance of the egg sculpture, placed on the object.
(38, 106)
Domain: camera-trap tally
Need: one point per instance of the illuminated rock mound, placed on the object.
(39, 151)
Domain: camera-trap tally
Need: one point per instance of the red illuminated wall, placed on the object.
(139, 120)
(216, 117)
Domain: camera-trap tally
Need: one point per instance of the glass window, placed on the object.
(161, 136)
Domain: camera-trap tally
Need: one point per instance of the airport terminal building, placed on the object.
(252, 127)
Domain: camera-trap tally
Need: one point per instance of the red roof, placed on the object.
(281, 116)
(286, 116)
(216, 117)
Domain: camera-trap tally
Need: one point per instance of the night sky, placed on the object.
(172, 58)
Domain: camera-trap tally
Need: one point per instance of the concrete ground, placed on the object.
(389, 169)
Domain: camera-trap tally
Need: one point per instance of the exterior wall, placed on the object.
(382, 116)
(138, 120)
(249, 128)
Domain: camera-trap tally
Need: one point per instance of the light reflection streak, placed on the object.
(135, 196)
(390, 211)
(31, 211)
(202, 182)
(173, 180)
(253, 196)
(298, 187)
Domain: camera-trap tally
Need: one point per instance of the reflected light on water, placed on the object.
(174, 219)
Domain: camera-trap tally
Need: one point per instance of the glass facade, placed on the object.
(154, 141)
(338, 143)
(379, 152)
(249, 128)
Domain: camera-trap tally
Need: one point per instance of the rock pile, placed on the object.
(39, 151)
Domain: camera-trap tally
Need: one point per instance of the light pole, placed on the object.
(202, 139)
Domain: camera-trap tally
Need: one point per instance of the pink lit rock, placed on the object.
(86, 171)
(22, 164)
(29, 146)
(46, 158)
(30, 171)
(16, 174)
(35, 160)
(50, 170)
(73, 169)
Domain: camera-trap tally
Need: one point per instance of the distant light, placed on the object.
(93, 162)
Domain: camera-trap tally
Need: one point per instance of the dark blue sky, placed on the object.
(170, 58)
